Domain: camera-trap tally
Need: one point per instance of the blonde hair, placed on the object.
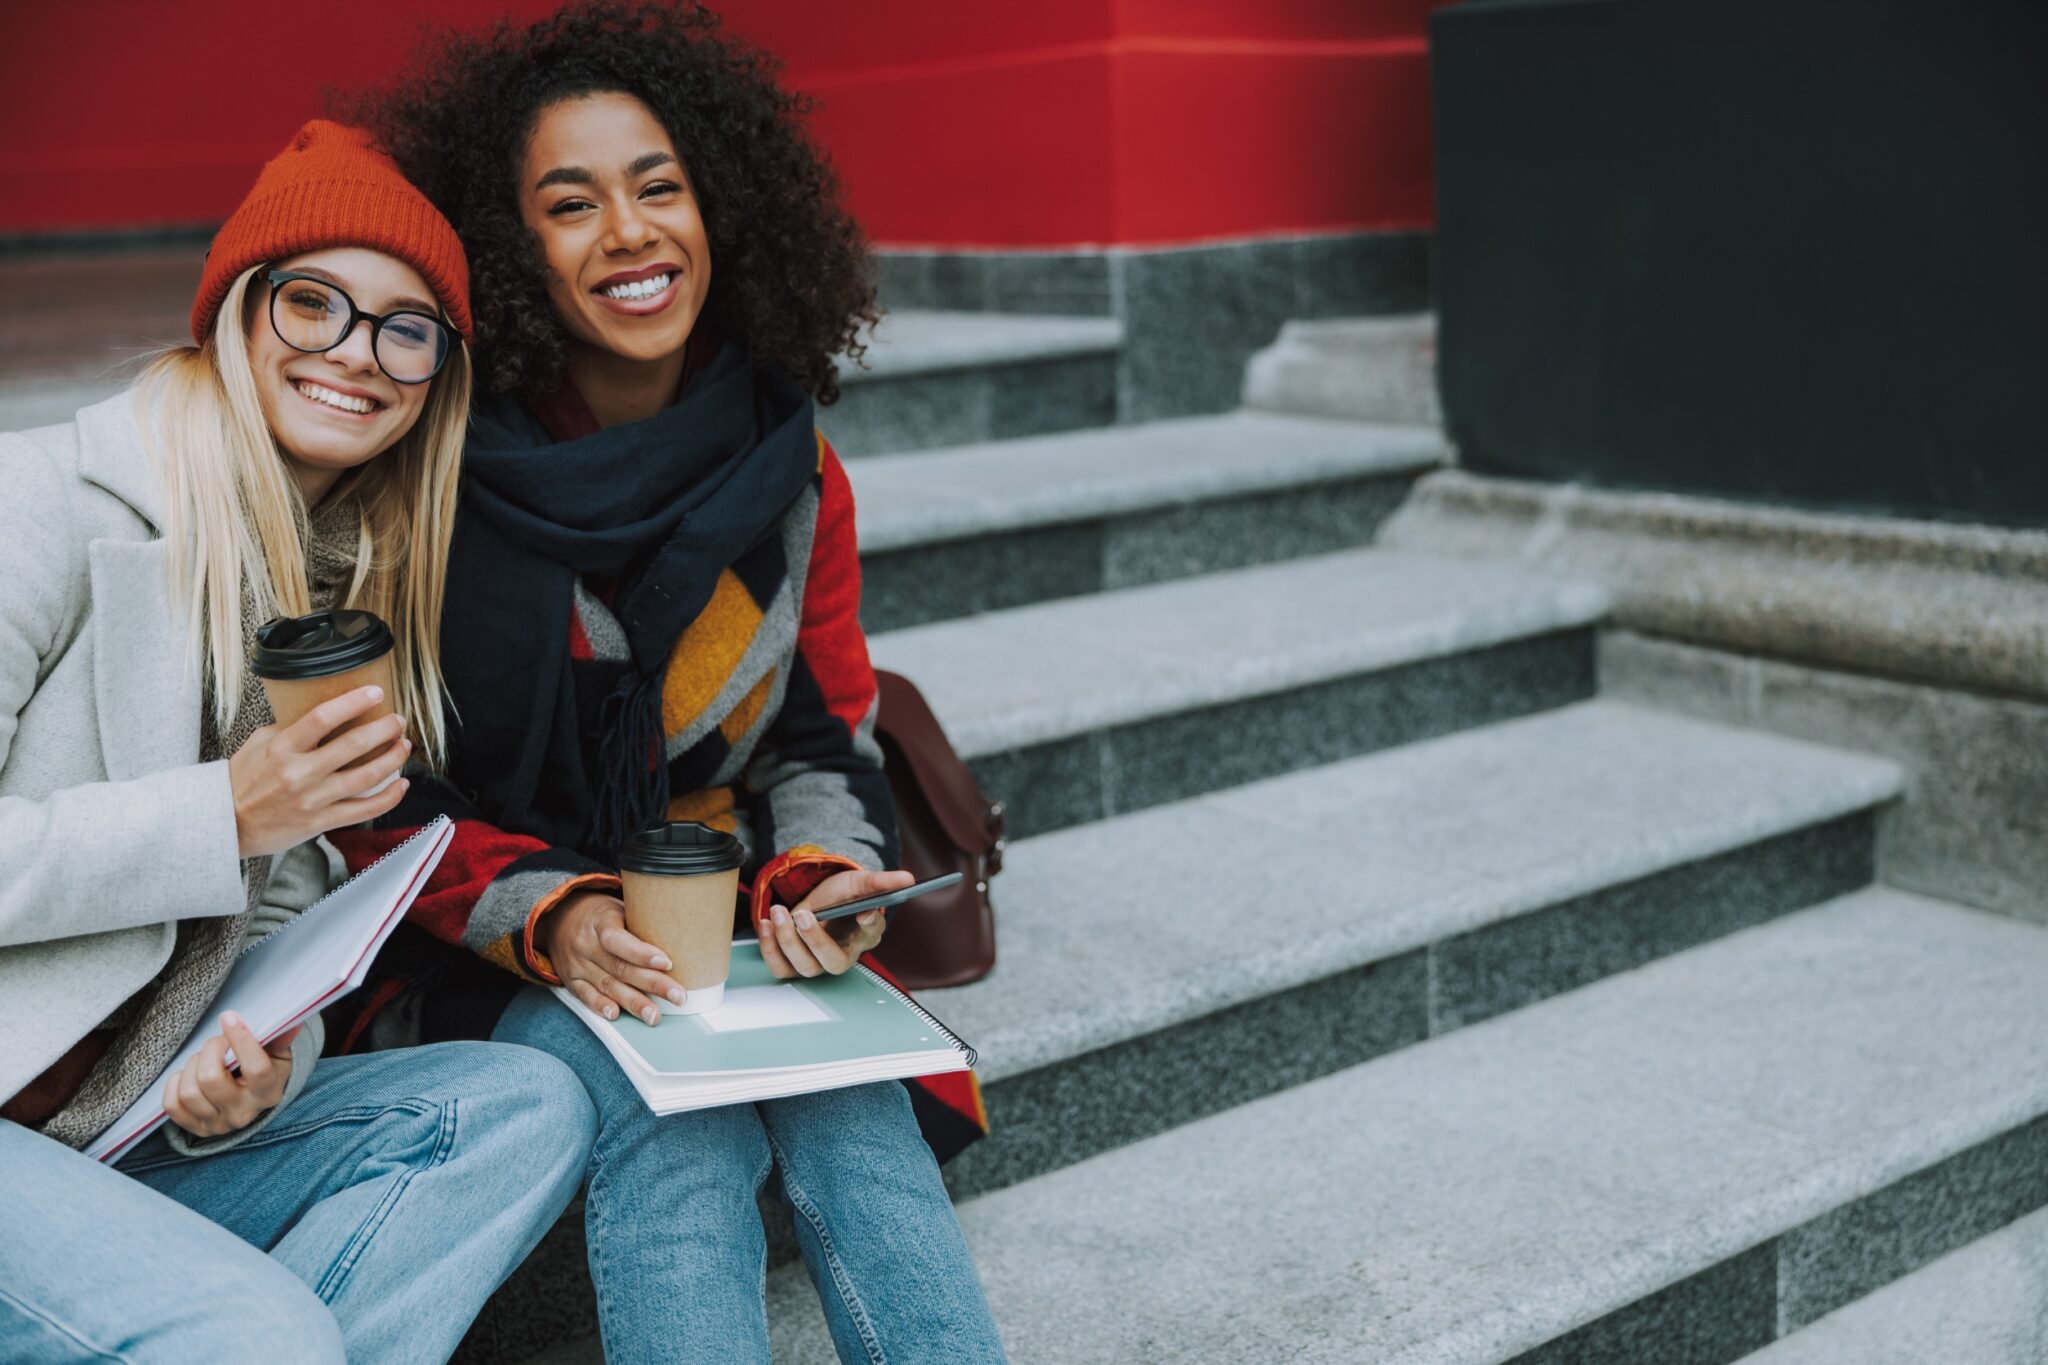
(237, 518)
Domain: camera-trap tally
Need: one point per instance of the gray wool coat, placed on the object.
(111, 830)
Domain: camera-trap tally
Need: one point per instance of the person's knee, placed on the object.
(271, 1309)
(557, 1106)
(869, 1128)
(533, 1104)
(863, 1117)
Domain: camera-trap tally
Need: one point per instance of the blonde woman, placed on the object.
(152, 820)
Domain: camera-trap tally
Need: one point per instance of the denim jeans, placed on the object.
(392, 1197)
(677, 1251)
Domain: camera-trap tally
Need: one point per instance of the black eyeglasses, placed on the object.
(314, 315)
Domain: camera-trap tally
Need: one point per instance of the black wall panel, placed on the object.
(1793, 250)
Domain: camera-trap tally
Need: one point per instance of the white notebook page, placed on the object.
(297, 968)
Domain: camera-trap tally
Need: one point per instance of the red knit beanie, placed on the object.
(332, 187)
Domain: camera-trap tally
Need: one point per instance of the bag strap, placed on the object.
(972, 821)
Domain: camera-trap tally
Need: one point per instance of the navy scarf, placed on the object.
(661, 507)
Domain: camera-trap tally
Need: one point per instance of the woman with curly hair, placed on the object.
(653, 615)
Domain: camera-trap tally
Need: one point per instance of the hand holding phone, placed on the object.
(881, 902)
(887, 899)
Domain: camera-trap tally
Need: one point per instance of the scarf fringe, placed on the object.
(632, 764)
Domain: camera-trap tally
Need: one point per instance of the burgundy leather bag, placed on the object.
(946, 938)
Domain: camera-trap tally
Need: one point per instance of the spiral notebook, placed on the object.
(772, 1038)
(297, 968)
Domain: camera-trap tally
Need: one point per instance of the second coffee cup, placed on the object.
(681, 883)
(305, 660)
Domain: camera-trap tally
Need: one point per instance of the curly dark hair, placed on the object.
(792, 277)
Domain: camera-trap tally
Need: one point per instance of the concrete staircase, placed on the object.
(1674, 1164)
(1370, 988)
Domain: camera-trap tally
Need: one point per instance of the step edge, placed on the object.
(951, 518)
(1075, 337)
(1574, 607)
(1907, 1297)
(1835, 1182)
(1200, 995)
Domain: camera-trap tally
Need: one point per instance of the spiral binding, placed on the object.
(973, 1057)
(355, 877)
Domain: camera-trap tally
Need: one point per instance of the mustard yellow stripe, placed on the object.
(707, 653)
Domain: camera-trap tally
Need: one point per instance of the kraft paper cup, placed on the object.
(303, 661)
(681, 881)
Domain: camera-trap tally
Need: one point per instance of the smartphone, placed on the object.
(881, 902)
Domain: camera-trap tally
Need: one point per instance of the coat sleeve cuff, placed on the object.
(792, 875)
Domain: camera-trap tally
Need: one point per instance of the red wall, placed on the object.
(952, 122)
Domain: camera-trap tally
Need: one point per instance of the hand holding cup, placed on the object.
(602, 963)
(680, 884)
(295, 782)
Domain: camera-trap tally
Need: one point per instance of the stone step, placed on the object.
(943, 379)
(1365, 369)
(1674, 1164)
(952, 532)
(1986, 1304)
(1425, 888)
(1073, 710)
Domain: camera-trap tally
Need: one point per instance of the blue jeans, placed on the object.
(677, 1251)
(392, 1197)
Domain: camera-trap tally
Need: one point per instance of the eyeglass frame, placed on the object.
(278, 278)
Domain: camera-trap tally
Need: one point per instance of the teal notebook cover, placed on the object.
(770, 1024)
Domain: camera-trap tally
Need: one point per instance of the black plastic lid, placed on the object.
(319, 645)
(683, 849)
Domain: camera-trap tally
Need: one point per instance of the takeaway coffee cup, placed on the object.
(305, 660)
(681, 881)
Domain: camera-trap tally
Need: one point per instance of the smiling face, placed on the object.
(337, 409)
(609, 199)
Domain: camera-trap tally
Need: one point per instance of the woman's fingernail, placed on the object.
(374, 693)
(868, 916)
(660, 962)
(675, 997)
(651, 1016)
(611, 1011)
(804, 919)
(231, 1020)
(781, 915)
